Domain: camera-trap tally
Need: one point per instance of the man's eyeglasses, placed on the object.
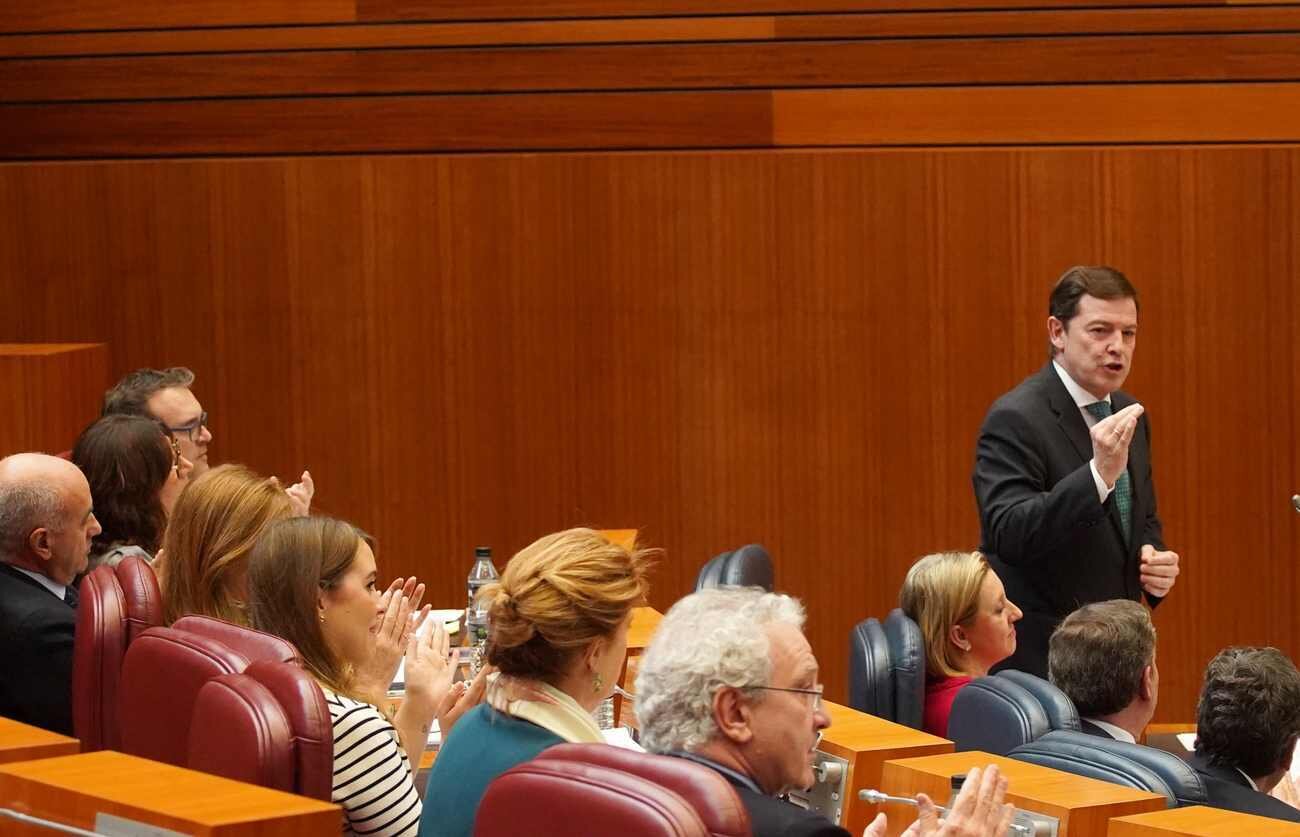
(193, 429)
(815, 691)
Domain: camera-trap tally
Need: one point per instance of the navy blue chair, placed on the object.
(1118, 762)
(887, 669)
(1000, 713)
(749, 566)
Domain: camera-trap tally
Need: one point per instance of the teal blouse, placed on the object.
(484, 744)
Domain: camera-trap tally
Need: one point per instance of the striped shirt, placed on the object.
(372, 776)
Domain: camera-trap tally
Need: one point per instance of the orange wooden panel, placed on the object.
(22, 742)
(791, 347)
(54, 391)
(49, 15)
(1083, 806)
(1134, 113)
(1167, 20)
(263, 126)
(1198, 821)
(1243, 57)
(73, 789)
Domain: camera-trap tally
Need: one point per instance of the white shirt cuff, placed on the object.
(1102, 491)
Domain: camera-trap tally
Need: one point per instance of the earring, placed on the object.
(598, 684)
(322, 619)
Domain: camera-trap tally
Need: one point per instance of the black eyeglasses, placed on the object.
(194, 428)
(815, 691)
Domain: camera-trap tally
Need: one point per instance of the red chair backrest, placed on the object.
(712, 797)
(269, 726)
(551, 795)
(253, 644)
(117, 605)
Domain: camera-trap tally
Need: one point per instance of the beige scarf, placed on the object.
(546, 706)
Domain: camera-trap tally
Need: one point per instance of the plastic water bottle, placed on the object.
(476, 612)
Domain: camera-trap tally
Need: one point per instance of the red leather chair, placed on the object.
(269, 726)
(253, 644)
(712, 797)
(551, 795)
(117, 605)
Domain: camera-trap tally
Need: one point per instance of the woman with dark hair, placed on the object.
(311, 580)
(136, 472)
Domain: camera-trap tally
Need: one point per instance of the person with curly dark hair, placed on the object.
(136, 472)
(1247, 723)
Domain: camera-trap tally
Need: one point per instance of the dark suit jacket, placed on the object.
(1227, 788)
(772, 817)
(36, 629)
(1052, 543)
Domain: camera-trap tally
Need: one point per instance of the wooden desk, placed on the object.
(645, 620)
(20, 742)
(1083, 806)
(62, 390)
(73, 789)
(1199, 821)
(867, 743)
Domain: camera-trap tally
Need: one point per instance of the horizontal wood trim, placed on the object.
(60, 15)
(1146, 113)
(387, 124)
(659, 30)
(88, 15)
(1165, 58)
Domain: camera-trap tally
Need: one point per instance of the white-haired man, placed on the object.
(730, 682)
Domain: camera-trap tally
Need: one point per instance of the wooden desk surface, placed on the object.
(72, 789)
(1199, 821)
(21, 742)
(644, 622)
(1084, 806)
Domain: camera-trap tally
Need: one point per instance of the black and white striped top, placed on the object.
(372, 776)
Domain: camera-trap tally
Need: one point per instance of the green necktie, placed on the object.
(1123, 486)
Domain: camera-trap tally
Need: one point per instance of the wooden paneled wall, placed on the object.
(776, 263)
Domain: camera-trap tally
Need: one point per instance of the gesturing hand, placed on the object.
(978, 812)
(300, 494)
(1110, 440)
(1159, 570)
(461, 699)
(377, 674)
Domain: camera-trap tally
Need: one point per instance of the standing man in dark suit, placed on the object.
(1103, 657)
(1247, 723)
(46, 524)
(1063, 470)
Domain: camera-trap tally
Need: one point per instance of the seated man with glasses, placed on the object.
(164, 395)
(730, 682)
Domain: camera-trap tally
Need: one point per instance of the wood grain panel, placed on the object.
(54, 15)
(54, 391)
(788, 347)
(386, 124)
(1170, 20)
(1155, 113)
(658, 66)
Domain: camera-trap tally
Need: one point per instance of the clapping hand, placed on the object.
(300, 494)
(401, 598)
(429, 670)
(1110, 440)
(978, 812)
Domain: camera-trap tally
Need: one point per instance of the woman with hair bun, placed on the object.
(559, 620)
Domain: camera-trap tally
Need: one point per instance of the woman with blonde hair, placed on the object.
(211, 532)
(966, 620)
(312, 581)
(558, 634)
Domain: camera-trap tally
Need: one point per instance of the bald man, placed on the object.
(46, 523)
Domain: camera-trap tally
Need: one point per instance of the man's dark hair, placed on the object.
(1098, 281)
(131, 395)
(126, 460)
(1248, 716)
(1097, 655)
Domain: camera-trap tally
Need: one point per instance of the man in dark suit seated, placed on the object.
(1103, 656)
(730, 682)
(46, 524)
(1247, 723)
